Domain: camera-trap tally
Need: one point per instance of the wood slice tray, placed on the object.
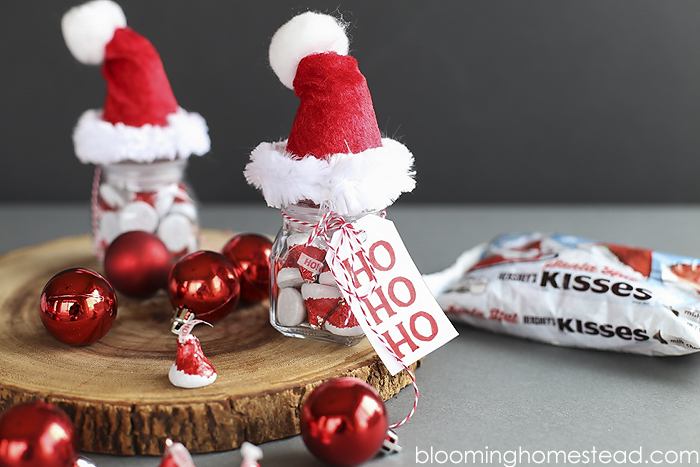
(117, 390)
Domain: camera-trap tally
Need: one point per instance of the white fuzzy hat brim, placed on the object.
(100, 142)
(348, 183)
(185, 380)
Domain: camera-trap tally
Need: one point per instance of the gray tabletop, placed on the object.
(504, 398)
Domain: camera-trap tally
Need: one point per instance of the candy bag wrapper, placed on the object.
(569, 291)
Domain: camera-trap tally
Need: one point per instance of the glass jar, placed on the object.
(305, 300)
(153, 197)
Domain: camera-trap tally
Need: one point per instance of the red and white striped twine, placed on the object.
(99, 254)
(350, 236)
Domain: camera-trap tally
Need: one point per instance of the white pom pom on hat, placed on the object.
(303, 35)
(89, 27)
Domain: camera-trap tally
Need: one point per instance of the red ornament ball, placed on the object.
(137, 263)
(250, 255)
(36, 434)
(206, 283)
(344, 422)
(78, 306)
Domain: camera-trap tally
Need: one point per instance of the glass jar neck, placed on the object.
(303, 216)
(145, 175)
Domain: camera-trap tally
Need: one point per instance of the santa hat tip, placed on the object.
(87, 29)
(303, 35)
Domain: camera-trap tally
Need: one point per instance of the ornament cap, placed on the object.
(181, 317)
(390, 444)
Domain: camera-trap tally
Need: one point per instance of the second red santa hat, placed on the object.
(335, 155)
(141, 120)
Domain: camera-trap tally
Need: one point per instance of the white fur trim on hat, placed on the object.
(88, 28)
(303, 35)
(185, 380)
(99, 142)
(348, 183)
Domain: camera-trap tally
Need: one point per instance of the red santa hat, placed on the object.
(335, 155)
(141, 120)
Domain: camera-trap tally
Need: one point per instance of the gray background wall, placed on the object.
(499, 100)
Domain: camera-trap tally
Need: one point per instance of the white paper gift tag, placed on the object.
(397, 312)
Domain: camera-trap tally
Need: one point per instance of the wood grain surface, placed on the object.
(117, 390)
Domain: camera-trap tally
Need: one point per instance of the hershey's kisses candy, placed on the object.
(291, 310)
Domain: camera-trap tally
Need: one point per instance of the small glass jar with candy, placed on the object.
(153, 197)
(334, 168)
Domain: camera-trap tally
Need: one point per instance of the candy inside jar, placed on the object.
(153, 197)
(305, 299)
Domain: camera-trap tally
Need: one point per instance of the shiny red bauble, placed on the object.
(78, 306)
(250, 254)
(36, 434)
(344, 422)
(206, 283)
(137, 263)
